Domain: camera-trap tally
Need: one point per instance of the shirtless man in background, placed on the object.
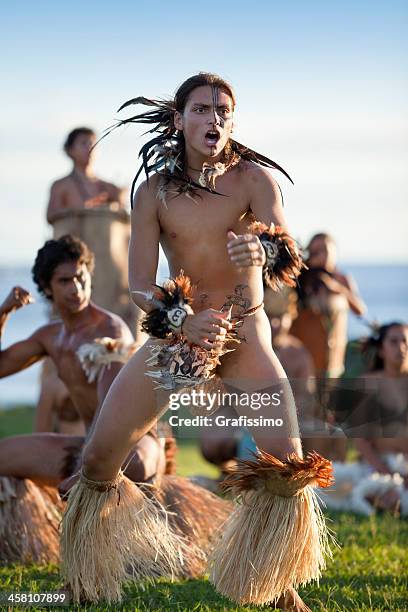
(81, 188)
(62, 271)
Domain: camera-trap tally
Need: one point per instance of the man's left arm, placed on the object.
(355, 302)
(265, 198)
(104, 383)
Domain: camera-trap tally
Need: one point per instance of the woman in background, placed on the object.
(325, 297)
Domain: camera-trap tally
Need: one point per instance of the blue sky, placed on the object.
(321, 88)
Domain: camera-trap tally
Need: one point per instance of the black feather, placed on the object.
(161, 120)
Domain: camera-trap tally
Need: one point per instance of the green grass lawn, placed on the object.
(368, 573)
(18, 420)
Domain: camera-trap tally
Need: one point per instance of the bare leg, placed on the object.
(111, 529)
(39, 457)
(130, 409)
(219, 445)
(146, 460)
(219, 451)
(291, 601)
(255, 369)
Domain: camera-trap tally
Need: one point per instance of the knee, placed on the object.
(219, 450)
(147, 460)
(281, 447)
(94, 463)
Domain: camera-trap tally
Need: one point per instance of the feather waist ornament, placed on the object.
(177, 362)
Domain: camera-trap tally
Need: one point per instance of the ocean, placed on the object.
(384, 288)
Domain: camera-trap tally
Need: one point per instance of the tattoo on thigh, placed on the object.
(240, 305)
(237, 301)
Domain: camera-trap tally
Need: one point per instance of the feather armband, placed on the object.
(171, 306)
(283, 259)
(95, 356)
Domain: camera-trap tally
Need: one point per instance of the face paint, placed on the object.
(162, 124)
(217, 119)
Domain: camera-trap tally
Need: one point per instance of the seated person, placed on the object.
(62, 272)
(378, 425)
(55, 409)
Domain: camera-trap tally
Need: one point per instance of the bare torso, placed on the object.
(61, 345)
(390, 413)
(194, 238)
(74, 192)
(322, 327)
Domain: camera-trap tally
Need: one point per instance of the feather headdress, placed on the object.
(164, 154)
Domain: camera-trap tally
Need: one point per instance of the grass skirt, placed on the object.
(276, 538)
(29, 522)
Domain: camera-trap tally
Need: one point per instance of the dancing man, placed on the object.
(217, 212)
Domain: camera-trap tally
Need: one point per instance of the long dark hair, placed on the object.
(318, 236)
(372, 346)
(165, 153)
(309, 282)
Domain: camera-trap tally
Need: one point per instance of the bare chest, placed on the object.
(79, 192)
(206, 217)
(393, 393)
(63, 352)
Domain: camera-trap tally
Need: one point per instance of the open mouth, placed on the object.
(212, 137)
(76, 301)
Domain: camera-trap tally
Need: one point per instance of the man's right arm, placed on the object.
(144, 244)
(55, 204)
(22, 354)
(204, 328)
